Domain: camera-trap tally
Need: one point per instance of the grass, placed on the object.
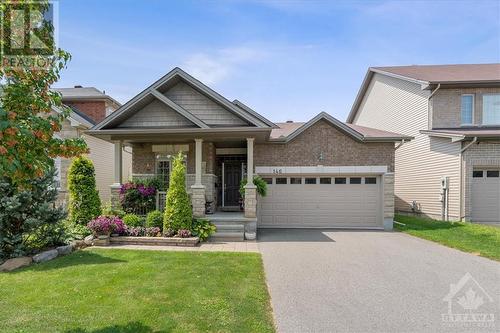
(129, 291)
(474, 238)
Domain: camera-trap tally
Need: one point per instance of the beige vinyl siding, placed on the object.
(400, 106)
(156, 114)
(102, 154)
(202, 107)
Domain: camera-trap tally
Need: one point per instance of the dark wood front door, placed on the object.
(232, 179)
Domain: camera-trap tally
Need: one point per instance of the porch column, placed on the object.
(250, 188)
(198, 190)
(115, 187)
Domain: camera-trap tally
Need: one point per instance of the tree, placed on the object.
(27, 121)
(178, 211)
(29, 219)
(84, 202)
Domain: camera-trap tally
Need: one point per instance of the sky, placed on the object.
(288, 60)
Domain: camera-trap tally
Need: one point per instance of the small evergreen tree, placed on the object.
(84, 202)
(178, 212)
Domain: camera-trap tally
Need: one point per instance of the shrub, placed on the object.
(135, 197)
(258, 182)
(184, 233)
(132, 220)
(29, 220)
(152, 232)
(77, 231)
(203, 228)
(84, 202)
(134, 231)
(104, 225)
(154, 219)
(178, 212)
(108, 210)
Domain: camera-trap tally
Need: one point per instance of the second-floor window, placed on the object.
(491, 109)
(467, 109)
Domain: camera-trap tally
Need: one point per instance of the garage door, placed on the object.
(485, 195)
(321, 202)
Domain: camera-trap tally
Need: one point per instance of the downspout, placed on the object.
(400, 144)
(462, 213)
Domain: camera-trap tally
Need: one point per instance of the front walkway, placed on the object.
(366, 281)
(247, 246)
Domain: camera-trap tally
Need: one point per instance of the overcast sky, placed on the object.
(285, 59)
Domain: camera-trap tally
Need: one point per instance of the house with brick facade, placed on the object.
(322, 173)
(451, 169)
(88, 107)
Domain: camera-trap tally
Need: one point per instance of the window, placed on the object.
(340, 180)
(355, 180)
(477, 174)
(467, 109)
(325, 180)
(163, 171)
(295, 180)
(491, 109)
(371, 180)
(492, 173)
(280, 181)
(310, 180)
(268, 180)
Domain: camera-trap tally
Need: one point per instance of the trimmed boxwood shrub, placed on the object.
(154, 219)
(84, 202)
(178, 212)
(132, 220)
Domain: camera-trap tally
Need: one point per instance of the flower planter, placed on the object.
(161, 241)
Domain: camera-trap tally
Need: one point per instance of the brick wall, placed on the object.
(446, 106)
(96, 110)
(336, 148)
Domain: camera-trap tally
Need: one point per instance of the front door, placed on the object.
(232, 179)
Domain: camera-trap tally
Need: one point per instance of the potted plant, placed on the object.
(103, 226)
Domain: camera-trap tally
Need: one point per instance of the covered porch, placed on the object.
(216, 164)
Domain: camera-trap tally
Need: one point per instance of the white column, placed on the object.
(198, 157)
(250, 160)
(118, 163)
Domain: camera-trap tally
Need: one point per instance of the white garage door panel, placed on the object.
(321, 206)
(485, 199)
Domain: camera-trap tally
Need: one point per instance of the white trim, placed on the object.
(320, 169)
(473, 110)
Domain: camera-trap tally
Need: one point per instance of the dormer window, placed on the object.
(467, 109)
(491, 109)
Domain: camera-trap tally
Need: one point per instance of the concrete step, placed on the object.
(228, 236)
(230, 227)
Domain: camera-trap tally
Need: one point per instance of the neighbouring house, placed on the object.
(451, 169)
(88, 107)
(322, 173)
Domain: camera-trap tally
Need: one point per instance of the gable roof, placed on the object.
(431, 75)
(177, 73)
(289, 131)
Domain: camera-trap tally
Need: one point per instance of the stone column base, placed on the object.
(198, 200)
(250, 200)
(115, 195)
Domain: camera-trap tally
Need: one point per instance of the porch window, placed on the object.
(467, 109)
(491, 109)
(163, 167)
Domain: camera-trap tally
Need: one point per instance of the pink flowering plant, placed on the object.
(105, 225)
(137, 197)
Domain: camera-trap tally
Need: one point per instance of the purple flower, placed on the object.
(105, 225)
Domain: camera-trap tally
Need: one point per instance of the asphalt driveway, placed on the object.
(363, 281)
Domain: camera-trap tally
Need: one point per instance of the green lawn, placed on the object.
(101, 290)
(475, 238)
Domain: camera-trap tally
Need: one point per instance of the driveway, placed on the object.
(364, 281)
